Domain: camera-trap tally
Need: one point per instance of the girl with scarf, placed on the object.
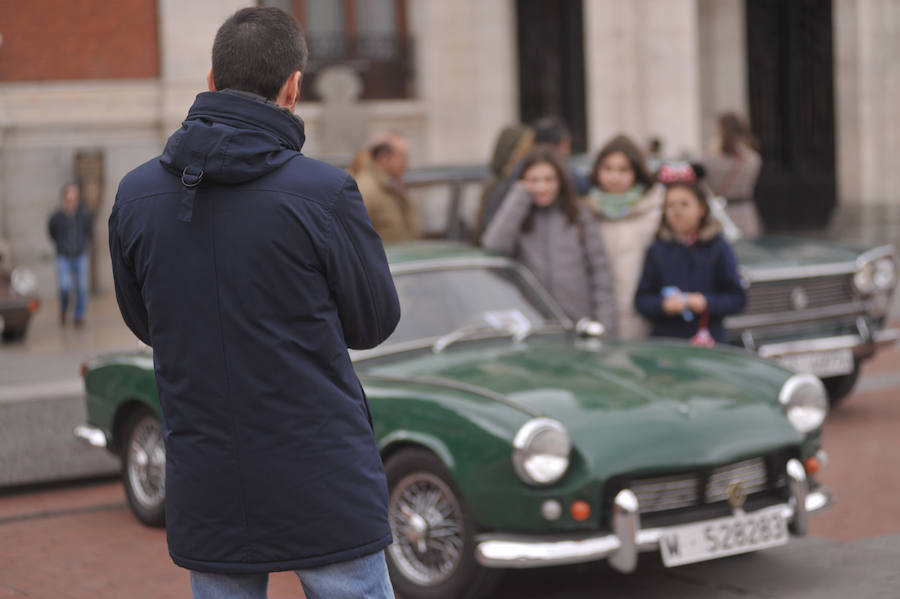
(628, 208)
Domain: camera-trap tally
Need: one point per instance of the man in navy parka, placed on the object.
(250, 269)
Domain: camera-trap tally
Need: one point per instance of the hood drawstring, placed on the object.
(191, 177)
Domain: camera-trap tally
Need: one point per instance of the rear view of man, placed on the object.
(381, 186)
(250, 270)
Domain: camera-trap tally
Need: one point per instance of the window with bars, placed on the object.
(371, 36)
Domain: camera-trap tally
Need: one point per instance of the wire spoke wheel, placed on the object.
(146, 463)
(427, 523)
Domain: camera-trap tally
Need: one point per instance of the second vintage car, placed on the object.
(514, 438)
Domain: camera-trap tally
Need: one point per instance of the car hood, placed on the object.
(627, 406)
(776, 252)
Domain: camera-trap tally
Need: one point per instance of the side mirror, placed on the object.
(586, 327)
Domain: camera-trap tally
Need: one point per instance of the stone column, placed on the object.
(186, 31)
(867, 86)
(723, 62)
(643, 71)
(467, 75)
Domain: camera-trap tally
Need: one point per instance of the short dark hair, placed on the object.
(256, 50)
(381, 149)
(550, 130)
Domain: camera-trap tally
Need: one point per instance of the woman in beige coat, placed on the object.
(628, 207)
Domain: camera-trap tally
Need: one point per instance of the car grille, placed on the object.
(779, 296)
(664, 493)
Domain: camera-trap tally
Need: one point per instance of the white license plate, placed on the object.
(717, 538)
(825, 363)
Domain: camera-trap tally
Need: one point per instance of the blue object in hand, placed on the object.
(671, 290)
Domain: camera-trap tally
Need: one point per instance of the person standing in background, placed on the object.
(380, 181)
(628, 207)
(552, 131)
(71, 229)
(732, 168)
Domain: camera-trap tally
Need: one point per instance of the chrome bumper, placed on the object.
(859, 344)
(91, 435)
(627, 539)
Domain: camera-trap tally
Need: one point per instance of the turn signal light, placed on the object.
(580, 510)
(83, 369)
(33, 306)
(811, 465)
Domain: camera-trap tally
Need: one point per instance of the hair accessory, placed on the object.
(676, 172)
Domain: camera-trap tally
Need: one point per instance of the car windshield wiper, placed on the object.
(507, 322)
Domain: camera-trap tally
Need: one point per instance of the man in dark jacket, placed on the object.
(250, 269)
(70, 228)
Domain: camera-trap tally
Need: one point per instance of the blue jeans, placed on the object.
(72, 271)
(362, 577)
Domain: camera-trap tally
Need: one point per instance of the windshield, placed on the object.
(437, 302)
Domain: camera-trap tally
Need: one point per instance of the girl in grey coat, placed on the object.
(541, 224)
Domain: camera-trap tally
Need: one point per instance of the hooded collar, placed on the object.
(230, 137)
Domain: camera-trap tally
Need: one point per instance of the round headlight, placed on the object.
(805, 402)
(23, 281)
(864, 279)
(541, 451)
(884, 274)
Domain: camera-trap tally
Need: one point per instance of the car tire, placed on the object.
(840, 387)
(144, 467)
(16, 334)
(424, 498)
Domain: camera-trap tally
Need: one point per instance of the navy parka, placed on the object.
(707, 266)
(250, 269)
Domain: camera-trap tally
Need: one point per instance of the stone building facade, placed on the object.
(116, 79)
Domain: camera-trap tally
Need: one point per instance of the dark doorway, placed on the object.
(791, 72)
(551, 63)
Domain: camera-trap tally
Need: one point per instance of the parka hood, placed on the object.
(230, 137)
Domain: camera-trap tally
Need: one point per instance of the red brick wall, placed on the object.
(78, 39)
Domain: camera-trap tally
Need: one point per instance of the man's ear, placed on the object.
(211, 81)
(290, 91)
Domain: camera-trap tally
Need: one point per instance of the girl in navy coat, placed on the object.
(690, 272)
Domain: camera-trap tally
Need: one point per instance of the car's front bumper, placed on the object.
(622, 545)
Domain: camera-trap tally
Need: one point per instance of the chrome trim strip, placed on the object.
(799, 524)
(886, 336)
(804, 346)
(626, 522)
(520, 551)
(433, 381)
(761, 275)
(91, 435)
(749, 321)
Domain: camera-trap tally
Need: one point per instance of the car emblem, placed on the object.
(737, 496)
(799, 299)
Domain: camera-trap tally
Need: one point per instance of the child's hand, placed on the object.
(696, 302)
(674, 304)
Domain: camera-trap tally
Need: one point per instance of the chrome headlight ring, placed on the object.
(876, 273)
(541, 450)
(23, 281)
(805, 402)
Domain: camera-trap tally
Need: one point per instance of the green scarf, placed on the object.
(614, 206)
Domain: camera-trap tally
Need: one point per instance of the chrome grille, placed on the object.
(750, 474)
(776, 296)
(661, 493)
(665, 492)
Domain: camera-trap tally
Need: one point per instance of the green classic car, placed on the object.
(816, 306)
(514, 438)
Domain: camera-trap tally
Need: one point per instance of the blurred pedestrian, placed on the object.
(553, 132)
(655, 155)
(71, 228)
(542, 224)
(380, 182)
(732, 168)
(250, 269)
(690, 280)
(514, 142)
(628, 207)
